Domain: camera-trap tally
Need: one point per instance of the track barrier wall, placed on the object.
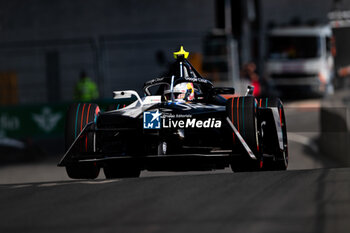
(39, 121)
(334, 139)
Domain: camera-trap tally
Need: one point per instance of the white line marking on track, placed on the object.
(98, 181)
(78, 182)
(315, 103)
(305, 141)
(53, 184)
(50, 184)
(21, 186)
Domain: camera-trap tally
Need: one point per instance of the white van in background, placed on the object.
(299, 60)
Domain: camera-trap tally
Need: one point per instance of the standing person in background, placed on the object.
(85, 89)
(249, 73)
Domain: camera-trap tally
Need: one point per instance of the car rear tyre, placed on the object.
(242, 112)
(78, 116)
(280, 157)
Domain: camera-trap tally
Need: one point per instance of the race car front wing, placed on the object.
(150, 161)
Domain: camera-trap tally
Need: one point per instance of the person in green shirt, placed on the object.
(85, 89)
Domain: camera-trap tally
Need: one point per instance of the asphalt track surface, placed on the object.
(309, 197)
(292, 201)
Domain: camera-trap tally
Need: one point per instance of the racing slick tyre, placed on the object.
(78, 116)
(115, 171)
(279, 161)
(242, 112)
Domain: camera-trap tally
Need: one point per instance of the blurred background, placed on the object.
(297, 50)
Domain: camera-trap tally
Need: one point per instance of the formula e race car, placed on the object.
(182, 123)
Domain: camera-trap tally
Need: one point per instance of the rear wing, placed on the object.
(126, 95)
(130, 94)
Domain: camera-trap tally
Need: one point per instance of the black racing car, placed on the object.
(183, 123)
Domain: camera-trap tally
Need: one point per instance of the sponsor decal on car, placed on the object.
(151, 120)
(197, 80)
(191, 123)
(156, 120)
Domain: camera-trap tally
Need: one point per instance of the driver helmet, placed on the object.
(184, 92)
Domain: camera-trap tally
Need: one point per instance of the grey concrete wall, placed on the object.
(135, 30)
(42, 19)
